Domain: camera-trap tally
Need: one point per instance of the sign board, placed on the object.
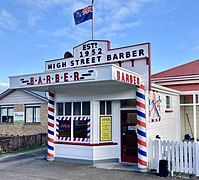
(154, 107)
(18, 117)
(97, 52)
(132, 128)
(105, 128)
(89, 64)
(108, 72)
(58, 77)
(64, 128)
(127, 77)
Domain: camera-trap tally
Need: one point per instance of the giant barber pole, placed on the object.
(51, 125)
(141, 124)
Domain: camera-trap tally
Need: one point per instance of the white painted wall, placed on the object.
(169, 126)
(73, 151)
(95, 94)
(91, 153)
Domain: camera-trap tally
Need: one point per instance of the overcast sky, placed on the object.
(32, 31)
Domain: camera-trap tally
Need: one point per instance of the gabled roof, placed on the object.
(188, 69)
(35, 94)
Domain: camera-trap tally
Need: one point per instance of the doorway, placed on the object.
(129, 136)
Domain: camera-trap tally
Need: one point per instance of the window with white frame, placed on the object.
(79, 108)
(73, 109)
(168, 102)
(32, 114)
(6, 114)
(105, 107)
(60, 109)
(105, 120)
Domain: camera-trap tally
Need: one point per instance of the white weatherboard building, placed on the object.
(102, 106)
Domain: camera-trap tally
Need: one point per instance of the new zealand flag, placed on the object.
(82, 15)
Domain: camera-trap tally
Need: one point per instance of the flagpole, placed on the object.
(93, 20)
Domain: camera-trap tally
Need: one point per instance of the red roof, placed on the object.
(184, 87)
(191, 68)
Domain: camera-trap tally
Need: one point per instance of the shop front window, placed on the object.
(7, 114)
(80, 129)
(77, 113)
(64, 128)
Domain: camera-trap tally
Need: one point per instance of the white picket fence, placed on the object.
(182, 156)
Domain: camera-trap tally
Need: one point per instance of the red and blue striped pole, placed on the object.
(51, 127)
(141, 128)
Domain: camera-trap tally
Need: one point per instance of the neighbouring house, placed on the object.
(23, 112)
(185, 79)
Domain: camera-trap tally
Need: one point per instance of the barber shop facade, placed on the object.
(102, 106)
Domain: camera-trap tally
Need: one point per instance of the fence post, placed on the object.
(150, 152)
(181, 157)
(169, 155)
(190, 145)
(185, 158)
(157, 153)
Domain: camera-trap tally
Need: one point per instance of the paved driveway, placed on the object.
(33, 166)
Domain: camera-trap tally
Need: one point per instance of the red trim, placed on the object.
(168, 111)
(149, 64)
(147, 43)
(86, 144)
